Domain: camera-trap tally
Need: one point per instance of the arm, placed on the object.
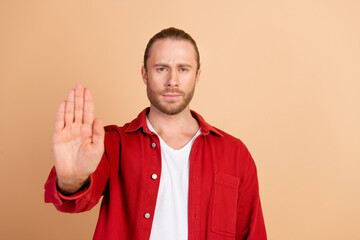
(78, 147)
(250, 223)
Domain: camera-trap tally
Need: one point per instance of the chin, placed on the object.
(170, 110)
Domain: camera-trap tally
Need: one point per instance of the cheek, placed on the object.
(154, 84)
(189, 80)
(157, 81)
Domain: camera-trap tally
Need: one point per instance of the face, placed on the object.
(171, 75)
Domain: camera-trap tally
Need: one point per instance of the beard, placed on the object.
(171, 107)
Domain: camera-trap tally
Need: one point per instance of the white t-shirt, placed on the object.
(171, 211)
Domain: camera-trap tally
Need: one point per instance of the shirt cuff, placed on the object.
(79, 194)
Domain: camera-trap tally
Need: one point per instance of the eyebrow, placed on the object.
(167, 65)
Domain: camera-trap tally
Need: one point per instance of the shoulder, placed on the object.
(115, 136)
(216, 134)
(233, 146)
(115, 130)
(235, 159)
(229, 140)
(112, 130)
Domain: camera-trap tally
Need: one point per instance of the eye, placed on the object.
(183, 70)
(161, 69)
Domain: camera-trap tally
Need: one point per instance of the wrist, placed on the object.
(71, 187)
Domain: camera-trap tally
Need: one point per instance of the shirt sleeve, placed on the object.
(250, 221)
(86, 198)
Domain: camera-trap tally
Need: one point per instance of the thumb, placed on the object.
(98, 133)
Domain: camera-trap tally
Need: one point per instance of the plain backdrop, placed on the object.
(283, 76)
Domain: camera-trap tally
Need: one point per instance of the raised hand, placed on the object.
(78, 140)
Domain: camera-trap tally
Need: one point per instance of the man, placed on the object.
(167, 174)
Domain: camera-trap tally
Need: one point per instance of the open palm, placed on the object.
(78, 139)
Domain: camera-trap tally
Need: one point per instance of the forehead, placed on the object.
(172, 50)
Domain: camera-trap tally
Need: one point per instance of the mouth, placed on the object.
(171, 95)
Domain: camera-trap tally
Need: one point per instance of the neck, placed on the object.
(166, 124)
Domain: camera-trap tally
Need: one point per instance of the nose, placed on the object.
(173, 79)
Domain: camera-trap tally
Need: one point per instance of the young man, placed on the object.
(167, 174)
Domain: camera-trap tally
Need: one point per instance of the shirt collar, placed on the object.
(140, 122)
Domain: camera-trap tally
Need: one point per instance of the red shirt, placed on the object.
(223, 201)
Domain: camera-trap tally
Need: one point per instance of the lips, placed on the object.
(172, 94)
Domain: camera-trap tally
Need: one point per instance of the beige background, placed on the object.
(281, 75)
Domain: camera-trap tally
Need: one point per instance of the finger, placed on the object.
(98, 133)
(69, 108)
(79, 103)
(88, 108)
(60, 117)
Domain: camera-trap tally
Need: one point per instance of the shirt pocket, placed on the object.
(225, 204)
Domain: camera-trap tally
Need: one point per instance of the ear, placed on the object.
(144, 74)
(197, 78)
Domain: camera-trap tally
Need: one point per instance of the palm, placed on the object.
(78, 138)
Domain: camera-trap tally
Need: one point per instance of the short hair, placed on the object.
(171, 33)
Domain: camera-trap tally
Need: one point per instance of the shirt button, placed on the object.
(153, 145)
(147, 215)
(154, 176)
